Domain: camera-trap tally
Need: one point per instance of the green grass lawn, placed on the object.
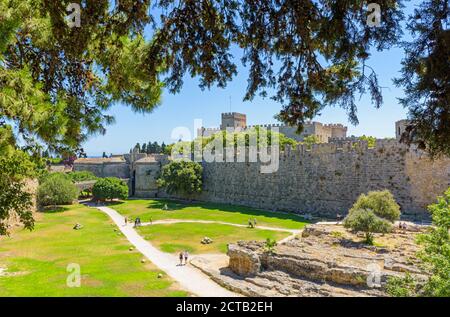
(36, 261)
(176, 237)
(147, 209)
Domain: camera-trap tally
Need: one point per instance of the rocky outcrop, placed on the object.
(244, 258)
(325, 261)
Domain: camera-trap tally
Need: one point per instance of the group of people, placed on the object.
(137, 221)
(184, 255)
(402, 225)
(252, 223)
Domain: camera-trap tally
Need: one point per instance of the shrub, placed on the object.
(81, 176)
(435, 257)
(365, 220)
(270, 245)
(436, 249)
(46, 176)
(110, 188)
(56, 189)
(181, 177)
(371, 140)
(310, 140)
(382, 203)
(401, 286)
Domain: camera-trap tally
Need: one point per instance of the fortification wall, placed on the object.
(326, 180)
(119, 169)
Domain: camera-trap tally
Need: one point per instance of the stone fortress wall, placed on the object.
(324, 180)
(238, 122)
(104, 167)
(327, 180)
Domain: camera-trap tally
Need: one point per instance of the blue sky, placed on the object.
(193, 103)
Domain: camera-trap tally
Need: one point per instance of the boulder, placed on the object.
(243, 261)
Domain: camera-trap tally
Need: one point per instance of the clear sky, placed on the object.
(191, 103)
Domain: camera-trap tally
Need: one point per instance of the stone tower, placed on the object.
(400, 127)
(236, 121)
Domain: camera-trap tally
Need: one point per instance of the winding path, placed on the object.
(188, 277)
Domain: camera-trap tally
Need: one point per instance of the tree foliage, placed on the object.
(373, 213)
(181, 177)
(313, 53)
(255, 136)
(110, 188)
(80, 176)
(367, 221)
(56, 82)
(57, 189)
(436, 249)
(382, 203)
(435, 257)
(310, 140)
(425, 78)
(151, 148)
(371, 140)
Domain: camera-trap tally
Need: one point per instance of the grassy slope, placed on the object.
(147, 209)
(38, 259)
(187, 236)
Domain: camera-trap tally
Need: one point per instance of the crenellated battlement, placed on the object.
(233, 114)
(359, 147)
(325, 179)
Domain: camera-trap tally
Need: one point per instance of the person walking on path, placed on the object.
(181, 258)
(186, 256)
(126, 221)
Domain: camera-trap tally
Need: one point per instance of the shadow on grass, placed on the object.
(180, 205)
(114, 203)
(53, 209)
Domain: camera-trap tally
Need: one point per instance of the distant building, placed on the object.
(400, 127)
(238, 122)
